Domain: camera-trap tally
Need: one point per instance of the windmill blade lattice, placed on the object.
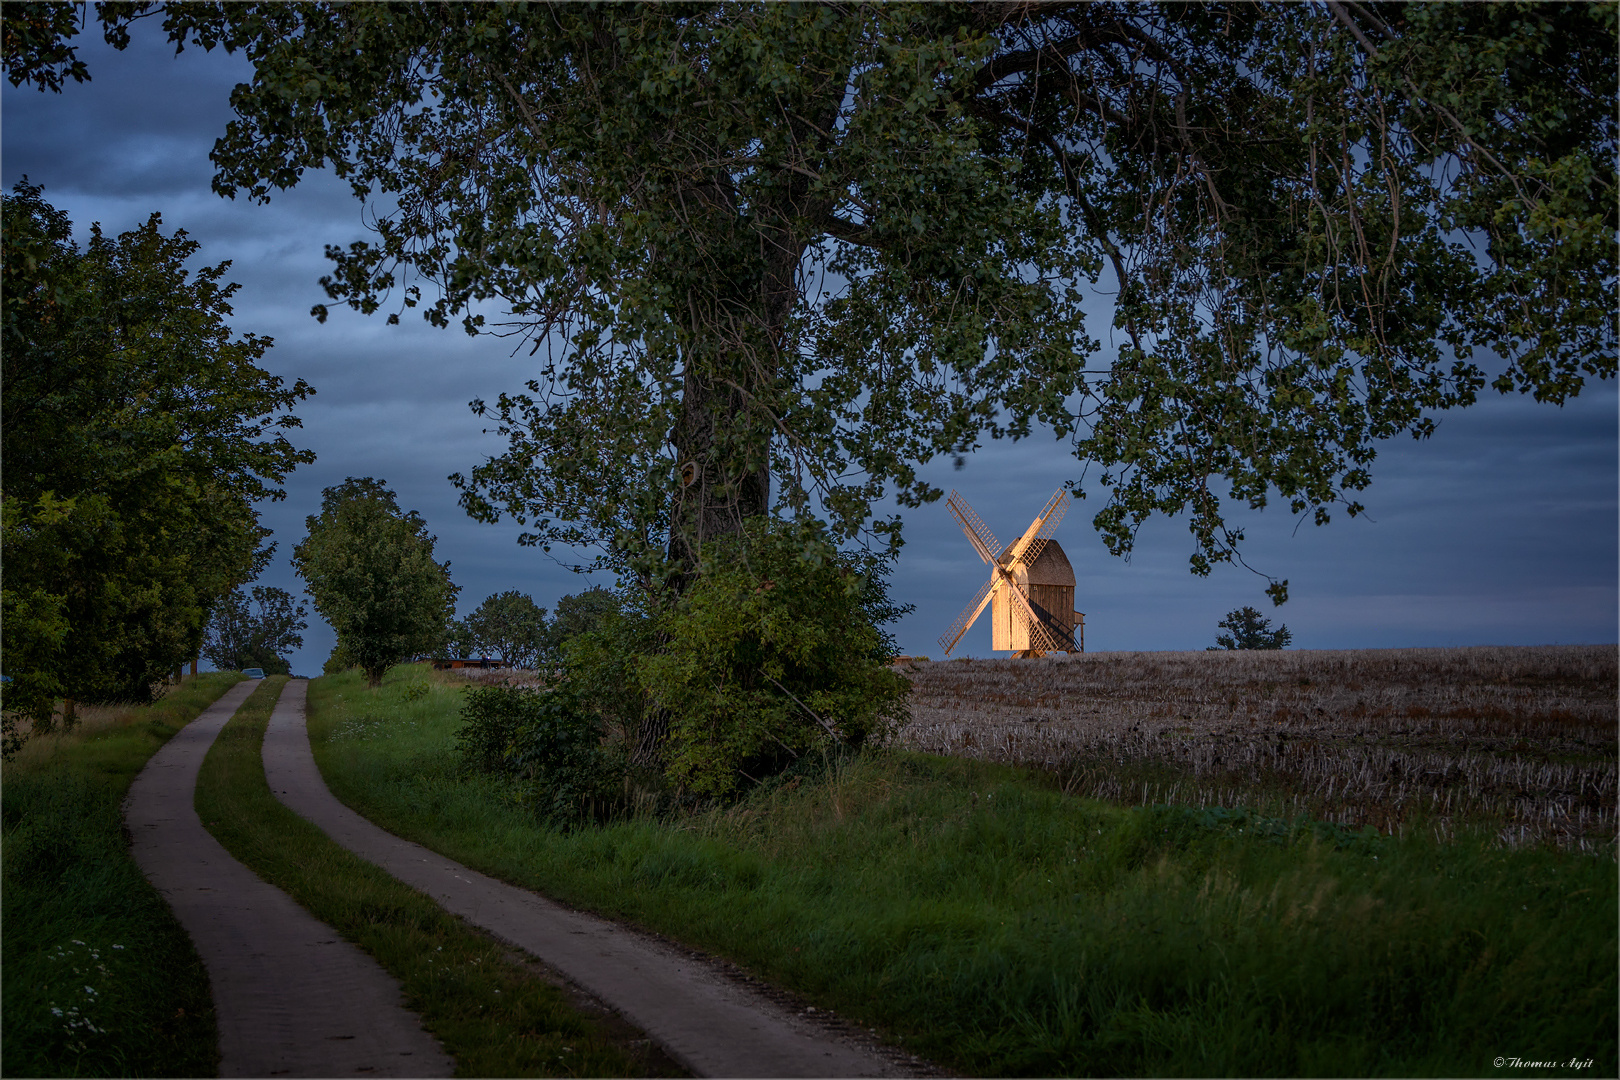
(1049, 518)
(1040, 634)
(984, 541)
(1027, 629)
(949, 638)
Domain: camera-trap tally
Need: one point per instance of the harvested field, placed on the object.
(495, 676)
(1518, 739)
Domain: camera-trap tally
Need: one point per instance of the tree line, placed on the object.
(139, 433)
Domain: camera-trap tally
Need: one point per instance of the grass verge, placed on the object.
(998, 926)
(100, 979)
(491, 1010)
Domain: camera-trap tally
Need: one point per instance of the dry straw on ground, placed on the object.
(1520, 739)
(496, 676)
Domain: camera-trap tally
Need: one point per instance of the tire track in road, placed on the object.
(709, 1024)
(291, 997)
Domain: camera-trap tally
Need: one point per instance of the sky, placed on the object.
(1501, 529)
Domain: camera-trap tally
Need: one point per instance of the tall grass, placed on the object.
(493, 1014)
(984, 919)
(99, 977)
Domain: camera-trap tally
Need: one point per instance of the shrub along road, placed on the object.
(709, 1024)
(291, 997)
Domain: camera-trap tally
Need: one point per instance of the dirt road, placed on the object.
(291, 997)
(710, 1024)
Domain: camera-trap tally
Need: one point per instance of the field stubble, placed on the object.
(1518, 739)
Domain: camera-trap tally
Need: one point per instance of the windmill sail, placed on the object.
(1027, 548)
(949, 638)
(1023, 594)
(978, 533)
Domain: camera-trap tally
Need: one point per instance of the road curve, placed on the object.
(710, 1025)
(291, 997)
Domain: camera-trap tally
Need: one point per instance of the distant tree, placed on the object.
(241, 635)
(509, 625)
(1250, 630)
(138, 436)
(459, 640)
(337, 661)
(581, 613)
(369, 567)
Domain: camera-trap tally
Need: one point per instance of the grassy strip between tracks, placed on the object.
(490, 1010)
(100, 979)
(987, 921)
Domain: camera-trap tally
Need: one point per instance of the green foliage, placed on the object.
(768, 656)
(139, 434)
(490, 717)
(582, 613)
(338, 660)
(977, 916)
(238, 637)
(804, 248)
(34, 41)
(369, 567)
(459, 642)
(550, 744)
(510, 625)
(602, 637)
(78, 912)
(1250, 630)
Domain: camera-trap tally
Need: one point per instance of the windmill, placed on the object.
(1031, 588)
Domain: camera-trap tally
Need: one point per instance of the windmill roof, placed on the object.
(1051, 567)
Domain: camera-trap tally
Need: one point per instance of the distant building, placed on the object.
(468, 662)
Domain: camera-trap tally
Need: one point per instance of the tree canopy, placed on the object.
(776, 256)
(582, 613)
(139, 433)
(254, 631)
(510, 625)
(1250, 630)
(369, 567)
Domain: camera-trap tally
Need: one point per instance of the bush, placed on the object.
(773, 652)
(549, 744)
(601, 660)
(1250, 630)
(339, 660)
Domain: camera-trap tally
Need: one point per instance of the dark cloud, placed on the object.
(1500, 529)
(135, 126)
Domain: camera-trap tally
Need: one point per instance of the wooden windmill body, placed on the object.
(1031, 588)
(1048, 584)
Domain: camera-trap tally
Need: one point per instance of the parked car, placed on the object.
(254, 672)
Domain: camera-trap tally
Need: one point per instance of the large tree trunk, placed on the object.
(736, 329)
(725, 467)
(747, 272)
